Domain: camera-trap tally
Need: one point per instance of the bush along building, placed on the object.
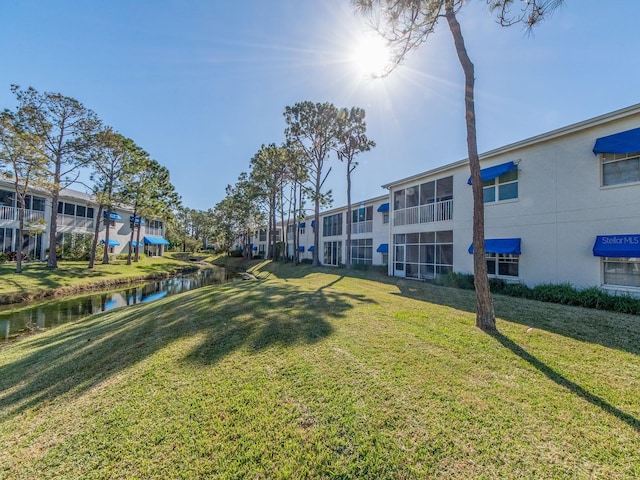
(77, 214)
(562, 207)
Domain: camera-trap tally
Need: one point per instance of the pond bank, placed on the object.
(106, 281)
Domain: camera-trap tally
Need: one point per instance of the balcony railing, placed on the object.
(7, 213)
(75, 222)
(362, 227)
(153, 231)
(433, 212)
(11, 213)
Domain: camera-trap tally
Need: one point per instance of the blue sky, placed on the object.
(201, 84)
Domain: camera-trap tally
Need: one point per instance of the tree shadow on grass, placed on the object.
(556, 377)
(273, 315)
(609, 329)
(253, 316)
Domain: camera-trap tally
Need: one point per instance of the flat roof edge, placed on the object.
(559, 132)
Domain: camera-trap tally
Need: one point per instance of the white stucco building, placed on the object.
(77, 213)
(560, 207)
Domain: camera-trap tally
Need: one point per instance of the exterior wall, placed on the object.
(560, 209)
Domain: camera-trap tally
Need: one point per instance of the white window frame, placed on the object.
(496, 184)
(502, 259)
(634, 262)
(613, 158)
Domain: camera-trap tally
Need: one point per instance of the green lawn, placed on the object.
(36, 278)
(316, 373)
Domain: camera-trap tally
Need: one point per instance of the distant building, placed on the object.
(77, 213)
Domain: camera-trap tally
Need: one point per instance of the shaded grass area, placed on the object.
(319, 373)
(37, 280)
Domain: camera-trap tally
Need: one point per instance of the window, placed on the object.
(262, 237)
(362, 251)
(37, 204)
(619, 169)
(504, 187)
(502, 264)
(385, 218)
(398, 199)
(332, 253)
(332, 225)
(412, 196)
(69, 209)
(362, 220)
(157, 224)
(301, 229)
(6, 198)
(624, 272)
(425, 254)
(89, 212)
(81, 211)
(362, 214)
(6, 239)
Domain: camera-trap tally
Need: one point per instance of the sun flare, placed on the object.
(371, 56)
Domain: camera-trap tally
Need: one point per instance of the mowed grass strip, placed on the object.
(37, 280)
(316, 373)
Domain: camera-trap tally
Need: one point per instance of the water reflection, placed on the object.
(40, 317)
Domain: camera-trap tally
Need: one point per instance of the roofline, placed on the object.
(344, 207)
(559, 132)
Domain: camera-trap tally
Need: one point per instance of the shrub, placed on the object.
(563, 293)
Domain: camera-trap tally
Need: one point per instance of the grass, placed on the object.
(320, 373)
(36, 280)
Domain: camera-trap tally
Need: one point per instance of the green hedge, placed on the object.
(563, 293)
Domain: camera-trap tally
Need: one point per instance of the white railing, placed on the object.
(11, 213)
(7, 213)
(75, 222)
(153, 231)
(433, 212)
(362, 227)
(32, 215)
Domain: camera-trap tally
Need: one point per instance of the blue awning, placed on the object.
(620, 246)
(301, 248)
(254, 248)
(302, 224)
(623, 142)
(384, 207)
(155, 241)
(311, 248)
(495, 171)
(139, 221)
(383, 247)
(313, 224)
(112, 215)
(500, 245)
(112, 242)
(134, 243)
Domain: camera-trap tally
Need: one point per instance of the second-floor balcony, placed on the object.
(432, 212)
(75, 222)
(11, 214)
(362, 227)
(154, 231)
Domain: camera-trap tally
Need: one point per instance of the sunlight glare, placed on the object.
(371, 56)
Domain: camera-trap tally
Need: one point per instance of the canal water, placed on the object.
(27, 319)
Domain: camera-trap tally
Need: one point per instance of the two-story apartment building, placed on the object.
(77, 214)
(559, 207)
